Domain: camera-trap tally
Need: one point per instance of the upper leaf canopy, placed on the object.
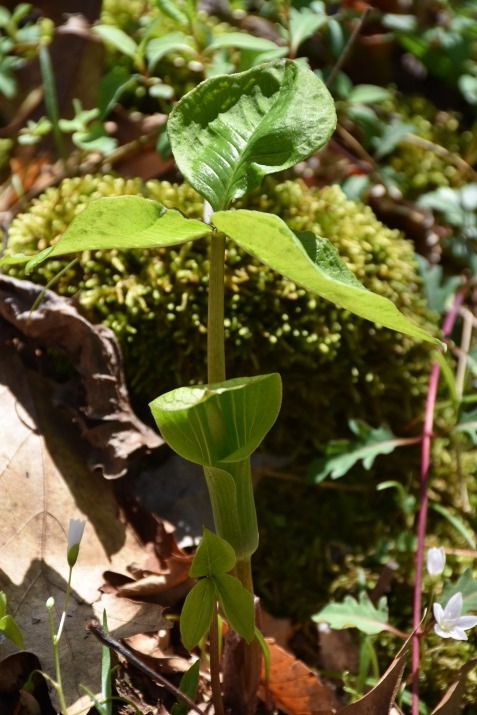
(123, 222)
(313, 262)
(231, 130)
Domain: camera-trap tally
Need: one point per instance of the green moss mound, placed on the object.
(334, 365)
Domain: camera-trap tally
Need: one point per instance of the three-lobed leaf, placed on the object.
(232, 130)
(312, 262)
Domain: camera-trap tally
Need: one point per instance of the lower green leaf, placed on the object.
(197, 612)
(237, 604)
(188, 685)
(10, 629)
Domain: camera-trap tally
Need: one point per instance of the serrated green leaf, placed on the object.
(237, 604)
(10, 629)
(351, 613)
(118, 38)
(197, 612)
(232, 130)
(224, 422)
(313, 263)
(123, 222)
(342, 455)
(214, 556)
(161, 46)
(467, 585)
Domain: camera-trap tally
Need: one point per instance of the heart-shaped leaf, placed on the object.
(214, 556)
(313, 262)
(225, 422)
(123, 222)
(231, 130)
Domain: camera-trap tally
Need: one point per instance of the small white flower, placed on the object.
(436, 561)
(75, 534)
(450, 623)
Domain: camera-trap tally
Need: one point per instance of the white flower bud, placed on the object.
(436, 561)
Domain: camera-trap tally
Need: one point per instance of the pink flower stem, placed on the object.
(447, 326)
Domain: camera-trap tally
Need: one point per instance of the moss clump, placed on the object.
(423, 168)
(334, 365)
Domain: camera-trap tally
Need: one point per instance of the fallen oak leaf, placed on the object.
(97, 395)
(380, 699)
(44, 482)
(294, 688)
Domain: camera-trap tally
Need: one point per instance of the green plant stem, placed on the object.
(243, 571)
(65, 606)
(215, 664)
(215, 322)
(56, 656)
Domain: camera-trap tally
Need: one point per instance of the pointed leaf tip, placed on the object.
(232, 130)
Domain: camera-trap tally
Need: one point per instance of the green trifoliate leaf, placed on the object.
(10, 629)
(224, 422)
(213, 557)
(197, 612)
(312, 262)
(341, 455)
(123, 222)
(237, 604)
(467, 585)
(232, 130)
(351, 613)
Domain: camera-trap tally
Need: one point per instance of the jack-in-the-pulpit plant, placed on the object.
(226, 135)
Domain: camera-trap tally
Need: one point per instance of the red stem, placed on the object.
(447, 326)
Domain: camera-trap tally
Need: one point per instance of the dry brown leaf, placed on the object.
(451, 702)
(96, 396)
(294, 688)
(380, 699)
(44, 482)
